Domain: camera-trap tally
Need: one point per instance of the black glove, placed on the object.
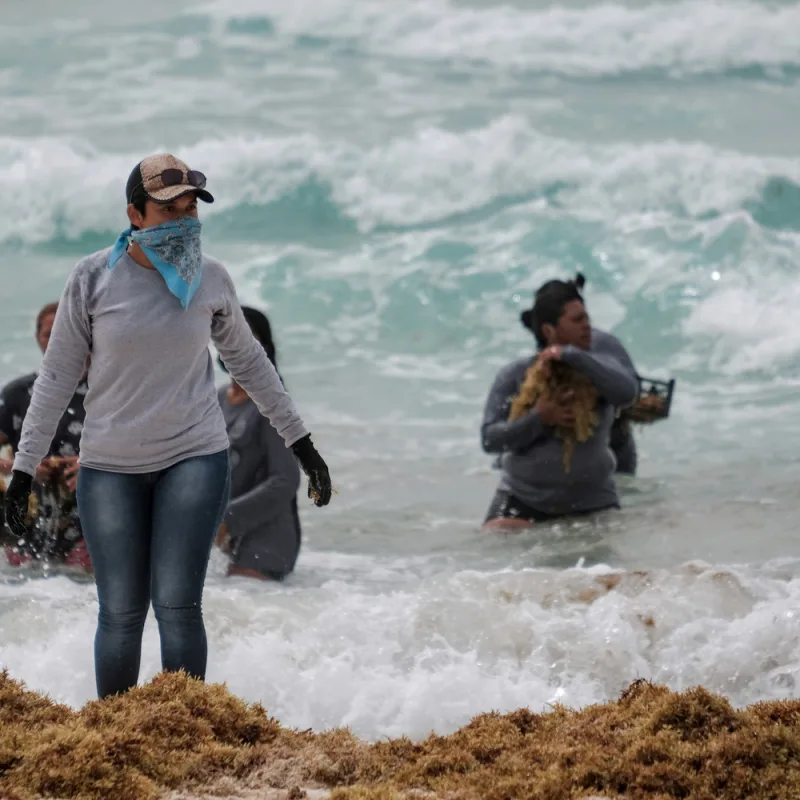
(319, 479)
(16, 503)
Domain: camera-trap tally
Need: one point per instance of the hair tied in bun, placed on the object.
(527, 318)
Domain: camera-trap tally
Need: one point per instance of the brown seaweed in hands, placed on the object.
(552, 381)
(315, 495)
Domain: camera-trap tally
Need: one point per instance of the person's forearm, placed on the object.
(248, 364)
(62, 369)
(616, 383)
(254, 372)
(503, 436)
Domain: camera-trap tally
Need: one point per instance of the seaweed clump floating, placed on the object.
(554, 380)
(179, 738)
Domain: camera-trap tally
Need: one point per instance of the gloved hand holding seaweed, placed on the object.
(315, 468)
(16, 507)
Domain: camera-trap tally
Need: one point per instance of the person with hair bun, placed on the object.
(538, 481)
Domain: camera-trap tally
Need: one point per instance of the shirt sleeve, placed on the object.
(609, 368)
(62, 369)
(272, 496)
(498, 435)
(247, 362)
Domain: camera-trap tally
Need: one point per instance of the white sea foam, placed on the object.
(599, 40)
(661, 207)
(390, 657)
(751, 323)
(409, 180)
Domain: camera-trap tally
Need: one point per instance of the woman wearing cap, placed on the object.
(535, 487)
(154, 477)
(261, 529)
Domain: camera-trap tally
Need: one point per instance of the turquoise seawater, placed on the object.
(393, 180)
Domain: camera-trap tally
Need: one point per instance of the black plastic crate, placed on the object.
(653, 403)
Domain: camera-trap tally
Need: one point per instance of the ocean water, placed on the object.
(394, 178)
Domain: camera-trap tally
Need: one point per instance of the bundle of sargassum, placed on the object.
(553, 381)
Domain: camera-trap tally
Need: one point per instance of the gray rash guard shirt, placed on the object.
(262, 515)
(152, 401)
(532, 456)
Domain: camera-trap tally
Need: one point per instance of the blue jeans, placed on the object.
(149, 537)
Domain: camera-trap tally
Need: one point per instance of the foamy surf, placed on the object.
(425, 179)
(388, 654)
(594, 41)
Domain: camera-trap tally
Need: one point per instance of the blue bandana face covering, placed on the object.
(173, 248)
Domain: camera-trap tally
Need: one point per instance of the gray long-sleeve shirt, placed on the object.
(531, 454)
(152, 401)
(262, 514)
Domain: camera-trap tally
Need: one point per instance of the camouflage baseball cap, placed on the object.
(165, 178)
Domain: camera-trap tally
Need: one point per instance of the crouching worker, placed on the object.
(261, 527)
(550, 417)
(55, 537)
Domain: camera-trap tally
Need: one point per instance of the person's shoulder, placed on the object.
(89, 270)
(19, 386)
(514, 370)
(23, 382)
(216, 275)
(92, 263)
(603, 340)
(599, 335)
(214, 267)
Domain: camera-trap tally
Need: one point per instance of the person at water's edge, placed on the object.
(261, 529)
(154, 473)
(56, 535)
(534, 486)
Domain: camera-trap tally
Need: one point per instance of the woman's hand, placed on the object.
(16, 503)
(71, 468)
(552, 353)
(315, 468)
(45, 469)
(556, 412)
(223, 539)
